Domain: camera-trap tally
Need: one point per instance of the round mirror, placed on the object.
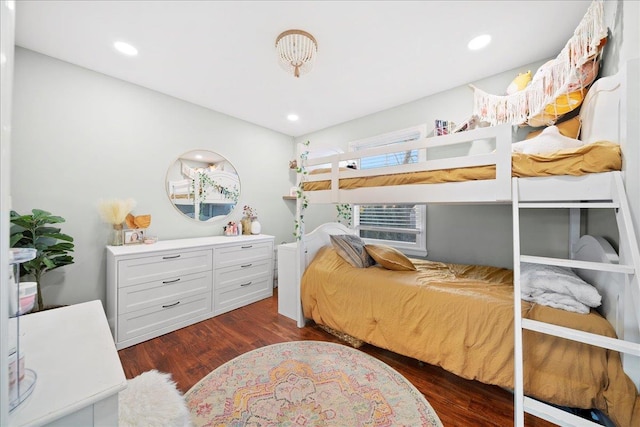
(203, 185)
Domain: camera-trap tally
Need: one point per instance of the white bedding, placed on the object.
(557, 287)
(549, 141)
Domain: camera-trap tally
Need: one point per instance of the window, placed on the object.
(402, 226)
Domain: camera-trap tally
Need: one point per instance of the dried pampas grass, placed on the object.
(114, 211)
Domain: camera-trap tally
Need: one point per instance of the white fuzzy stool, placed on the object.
(152, 399)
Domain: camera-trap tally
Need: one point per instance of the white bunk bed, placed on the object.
(615, 276)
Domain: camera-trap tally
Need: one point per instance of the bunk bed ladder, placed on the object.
(629, 266)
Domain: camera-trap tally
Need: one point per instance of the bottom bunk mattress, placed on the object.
(460, 317)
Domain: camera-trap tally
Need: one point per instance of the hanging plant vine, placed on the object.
(301, 169)
(344, 214)
(207, 184)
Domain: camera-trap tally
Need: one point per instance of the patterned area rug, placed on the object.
(307, 383)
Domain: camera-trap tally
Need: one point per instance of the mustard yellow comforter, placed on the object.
(592, 158)
(460, 317)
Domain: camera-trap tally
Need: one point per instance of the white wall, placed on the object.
(80, 136)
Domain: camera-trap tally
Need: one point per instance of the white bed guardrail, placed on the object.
(500, 157)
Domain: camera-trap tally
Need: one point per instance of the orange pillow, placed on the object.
(390, 258)
(569, 128)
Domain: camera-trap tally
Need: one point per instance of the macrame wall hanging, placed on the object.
(558, 87)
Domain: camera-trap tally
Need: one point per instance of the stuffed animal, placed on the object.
(519, 83)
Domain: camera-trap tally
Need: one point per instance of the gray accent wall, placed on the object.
(80, 136)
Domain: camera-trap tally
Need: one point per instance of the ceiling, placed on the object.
(372, 55)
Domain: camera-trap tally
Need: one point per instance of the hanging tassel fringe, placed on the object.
(558, 86)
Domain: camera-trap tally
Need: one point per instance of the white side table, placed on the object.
(288, 300)
(79, 373)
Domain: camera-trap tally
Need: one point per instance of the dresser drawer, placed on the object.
(156, 289)
(242, 253)
(163, 266)
(241, 293)
(161, 318)
(159, 292)
(241, 274)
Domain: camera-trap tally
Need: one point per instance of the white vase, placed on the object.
(255, 227)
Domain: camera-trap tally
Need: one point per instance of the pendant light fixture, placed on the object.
(297, 51)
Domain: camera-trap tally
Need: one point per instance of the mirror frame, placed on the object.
(209, 175)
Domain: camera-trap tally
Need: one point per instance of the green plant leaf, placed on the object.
(61, 247)
(22, 221)
(48, 263)
(15, 238)
(42, 243)
(35, 231)
(59, 236)
(60, 261)
(46, 230)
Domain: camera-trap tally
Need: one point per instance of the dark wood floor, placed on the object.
(191, 353)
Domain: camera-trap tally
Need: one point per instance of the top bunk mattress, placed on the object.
(591, 158)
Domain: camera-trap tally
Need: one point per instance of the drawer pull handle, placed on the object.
(246, 265)
(171, 305)
(171, 257)
(171, 281)
(247, 247)
(246, 284)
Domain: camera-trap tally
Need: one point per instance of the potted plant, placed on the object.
(52, 246)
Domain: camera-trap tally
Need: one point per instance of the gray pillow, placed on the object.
(351, 248)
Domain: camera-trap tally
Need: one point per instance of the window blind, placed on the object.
(399, 225)
(390, 159)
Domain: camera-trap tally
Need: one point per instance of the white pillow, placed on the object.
(536, 280)
(549, 141)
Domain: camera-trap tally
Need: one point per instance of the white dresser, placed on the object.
(158, 288)
(243, 273)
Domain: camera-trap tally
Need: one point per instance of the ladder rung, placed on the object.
(582, 336)
(565, 205)
(555, 415)
(586, 265)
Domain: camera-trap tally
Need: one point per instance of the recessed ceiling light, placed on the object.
(479, 42)
(125, 48)
(198, 156)
(292, 117)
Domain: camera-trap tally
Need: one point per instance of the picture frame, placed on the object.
(133, 236)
